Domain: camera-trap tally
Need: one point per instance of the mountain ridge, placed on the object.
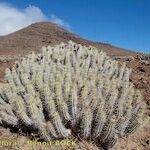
(34, 36)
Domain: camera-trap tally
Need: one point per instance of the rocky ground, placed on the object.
(32, 38)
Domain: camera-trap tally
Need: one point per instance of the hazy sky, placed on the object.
(123, 23)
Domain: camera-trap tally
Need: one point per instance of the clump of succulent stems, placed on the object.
(71, 90)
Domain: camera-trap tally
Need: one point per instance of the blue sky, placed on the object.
(123, 23)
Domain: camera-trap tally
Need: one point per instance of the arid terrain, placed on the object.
(33, 37)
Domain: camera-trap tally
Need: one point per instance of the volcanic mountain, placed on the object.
(33, 37)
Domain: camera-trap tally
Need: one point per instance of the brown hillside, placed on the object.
(36, 35)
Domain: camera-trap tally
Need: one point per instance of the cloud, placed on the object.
(59, 22)
(13, 19)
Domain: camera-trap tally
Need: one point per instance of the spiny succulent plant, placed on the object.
(71, 90)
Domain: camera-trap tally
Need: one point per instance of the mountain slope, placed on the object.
(36, 35)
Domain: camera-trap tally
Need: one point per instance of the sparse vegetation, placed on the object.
(144, 59)
(125, 58)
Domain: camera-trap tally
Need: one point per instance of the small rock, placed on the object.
(144, 62)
